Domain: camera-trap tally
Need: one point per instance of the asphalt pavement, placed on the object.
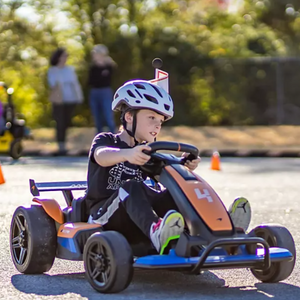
(272, 186)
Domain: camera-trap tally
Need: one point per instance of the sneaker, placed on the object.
(240, 213)
(166, 229)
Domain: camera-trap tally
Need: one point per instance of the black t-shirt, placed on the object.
(100, 76)
(104, 181)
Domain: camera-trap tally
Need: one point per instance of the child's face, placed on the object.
(148, 125)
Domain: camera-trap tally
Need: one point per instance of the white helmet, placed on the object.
(141, 94)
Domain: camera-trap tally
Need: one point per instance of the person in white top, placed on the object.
(65, 94)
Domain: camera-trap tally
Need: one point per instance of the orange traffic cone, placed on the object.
(2, 180)
(215, 161)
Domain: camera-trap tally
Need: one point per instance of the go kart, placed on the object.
(45, 230)
(15, 130)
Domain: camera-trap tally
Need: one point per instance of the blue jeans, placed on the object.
(100, 104)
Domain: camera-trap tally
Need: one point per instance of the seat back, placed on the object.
(79, 211)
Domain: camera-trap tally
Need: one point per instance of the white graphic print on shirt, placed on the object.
(115, 179)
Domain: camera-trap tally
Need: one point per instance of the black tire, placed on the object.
(108, 262)
(275, 236)
(16, 149)
(33, 240)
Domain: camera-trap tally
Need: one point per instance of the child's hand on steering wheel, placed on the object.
(192, 165)
(136, 155)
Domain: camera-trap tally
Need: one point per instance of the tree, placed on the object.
(203, 48)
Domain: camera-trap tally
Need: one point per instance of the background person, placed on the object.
(65, 94)
(101, 93)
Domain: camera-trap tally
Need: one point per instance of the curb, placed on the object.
(253, 153)
(203, 153)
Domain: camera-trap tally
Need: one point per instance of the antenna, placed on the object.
(157, 63)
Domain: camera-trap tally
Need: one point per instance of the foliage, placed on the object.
(205, 50)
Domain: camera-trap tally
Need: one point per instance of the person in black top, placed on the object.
(101, 94)
(117, 196)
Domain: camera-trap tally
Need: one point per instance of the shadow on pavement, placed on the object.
(154, 285)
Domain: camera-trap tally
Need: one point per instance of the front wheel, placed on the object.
(108, 262)
(275, 236)
(32, 240)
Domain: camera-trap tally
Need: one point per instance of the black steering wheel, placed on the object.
(159, 160)
(173, 146)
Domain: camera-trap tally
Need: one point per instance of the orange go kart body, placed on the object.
(209, 241)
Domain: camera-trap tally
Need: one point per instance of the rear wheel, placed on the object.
(108, 262)
(275, 236)
(32, 240)
(16, 149)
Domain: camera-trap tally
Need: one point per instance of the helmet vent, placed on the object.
(130, 93)
(167, 107)
(151, 99)
(139, 94)
(137, 101)
(139, 86)
(157, 91)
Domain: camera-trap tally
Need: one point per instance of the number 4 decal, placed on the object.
(204, 195)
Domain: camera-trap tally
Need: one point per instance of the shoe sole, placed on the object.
(172, 228)
(240, 218)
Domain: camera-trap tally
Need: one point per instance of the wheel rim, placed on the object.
(19, 239)
(272, 242)
(98, 264)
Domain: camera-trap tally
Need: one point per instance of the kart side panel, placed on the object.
(205, 201)
(52, 208)
(71, 239)
(69, 230)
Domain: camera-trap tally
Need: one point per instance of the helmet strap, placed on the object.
(124, 123)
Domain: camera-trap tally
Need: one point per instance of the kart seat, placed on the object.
(78, 211)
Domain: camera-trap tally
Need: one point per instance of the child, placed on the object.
(117, 197)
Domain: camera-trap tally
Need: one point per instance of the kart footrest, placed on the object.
(234, 242)
(213, 261)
